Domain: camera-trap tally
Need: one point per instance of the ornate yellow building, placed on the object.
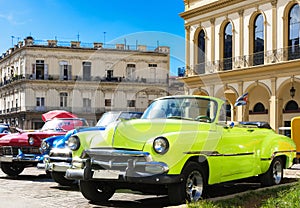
(88, 80)
(239, 46)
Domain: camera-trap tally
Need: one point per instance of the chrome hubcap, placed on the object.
(277, 172)
(194, 186)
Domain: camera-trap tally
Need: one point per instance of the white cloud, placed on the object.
(11, 19)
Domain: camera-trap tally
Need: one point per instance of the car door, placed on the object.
(237, 149)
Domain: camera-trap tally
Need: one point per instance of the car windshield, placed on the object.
(107, 118)
(110, 117)
(130, 115)
(190, 108)
(63, 124)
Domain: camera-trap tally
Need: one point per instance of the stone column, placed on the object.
(273, 112)
(187, 50)
(274, 24)
(241, 33)
(213, 48)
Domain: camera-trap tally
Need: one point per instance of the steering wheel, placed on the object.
(203, 118)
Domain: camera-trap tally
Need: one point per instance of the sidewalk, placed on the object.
(293, 172)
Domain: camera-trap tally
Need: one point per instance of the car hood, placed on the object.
(13, 138)
(21, 139)
(60, 141)
(133, 134)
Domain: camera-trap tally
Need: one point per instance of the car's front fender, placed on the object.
(183, 146)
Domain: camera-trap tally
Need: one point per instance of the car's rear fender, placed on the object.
(277, 146)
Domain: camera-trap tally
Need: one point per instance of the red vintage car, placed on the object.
(21, 150)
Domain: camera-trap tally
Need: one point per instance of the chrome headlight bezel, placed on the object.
(45, 145)
(161, 145)
(74, 143)
(31, 140)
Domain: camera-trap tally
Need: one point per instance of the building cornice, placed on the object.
(208, 8)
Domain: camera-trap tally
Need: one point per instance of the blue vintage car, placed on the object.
(56, 154)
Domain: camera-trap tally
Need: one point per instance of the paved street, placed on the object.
(34, 189)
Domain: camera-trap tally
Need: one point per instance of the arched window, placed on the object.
(291, 106)
(258, 48)
(294, 32)
(227, 53)
(259, 108)
(200, 69)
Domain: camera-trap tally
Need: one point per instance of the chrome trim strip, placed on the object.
(277, 152)
(216, 154)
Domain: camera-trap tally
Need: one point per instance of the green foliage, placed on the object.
(287, 196)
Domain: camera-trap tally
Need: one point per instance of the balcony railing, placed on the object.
(81, 78)
(256, 59)
(10, 110)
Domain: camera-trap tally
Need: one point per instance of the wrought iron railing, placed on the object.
(81, 78)
(246, 61)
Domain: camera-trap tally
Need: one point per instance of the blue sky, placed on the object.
(152, 23)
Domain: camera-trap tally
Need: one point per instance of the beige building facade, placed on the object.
(239, 46)
(39, 76)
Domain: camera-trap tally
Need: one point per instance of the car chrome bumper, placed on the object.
(57, 164)
(137, 166)
(23, 158)
(58, 167)
(87, 174)
(7, 158)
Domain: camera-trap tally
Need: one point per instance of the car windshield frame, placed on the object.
(187, 108)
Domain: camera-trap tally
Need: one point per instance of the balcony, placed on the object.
(247, 61)
(76, 78)
(10, 110)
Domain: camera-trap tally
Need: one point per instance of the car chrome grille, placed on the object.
(116, 159)
(8, 150)
(14, 151)
(30, 150)
(60, 154)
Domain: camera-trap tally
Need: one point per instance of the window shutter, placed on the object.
(61, 72)
(69, 72)
(33, 74)
(46, 72)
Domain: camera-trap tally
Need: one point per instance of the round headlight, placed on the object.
(31, 140)
(161, 145)
(73, 143)
(44, 145)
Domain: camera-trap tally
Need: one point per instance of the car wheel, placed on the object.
(274, 174)
(59, 177)
(12, 169)
(192, 187)
(96, 191)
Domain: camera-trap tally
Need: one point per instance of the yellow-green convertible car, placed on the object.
(180, 145)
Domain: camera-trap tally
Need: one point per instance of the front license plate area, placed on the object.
(106, 174)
